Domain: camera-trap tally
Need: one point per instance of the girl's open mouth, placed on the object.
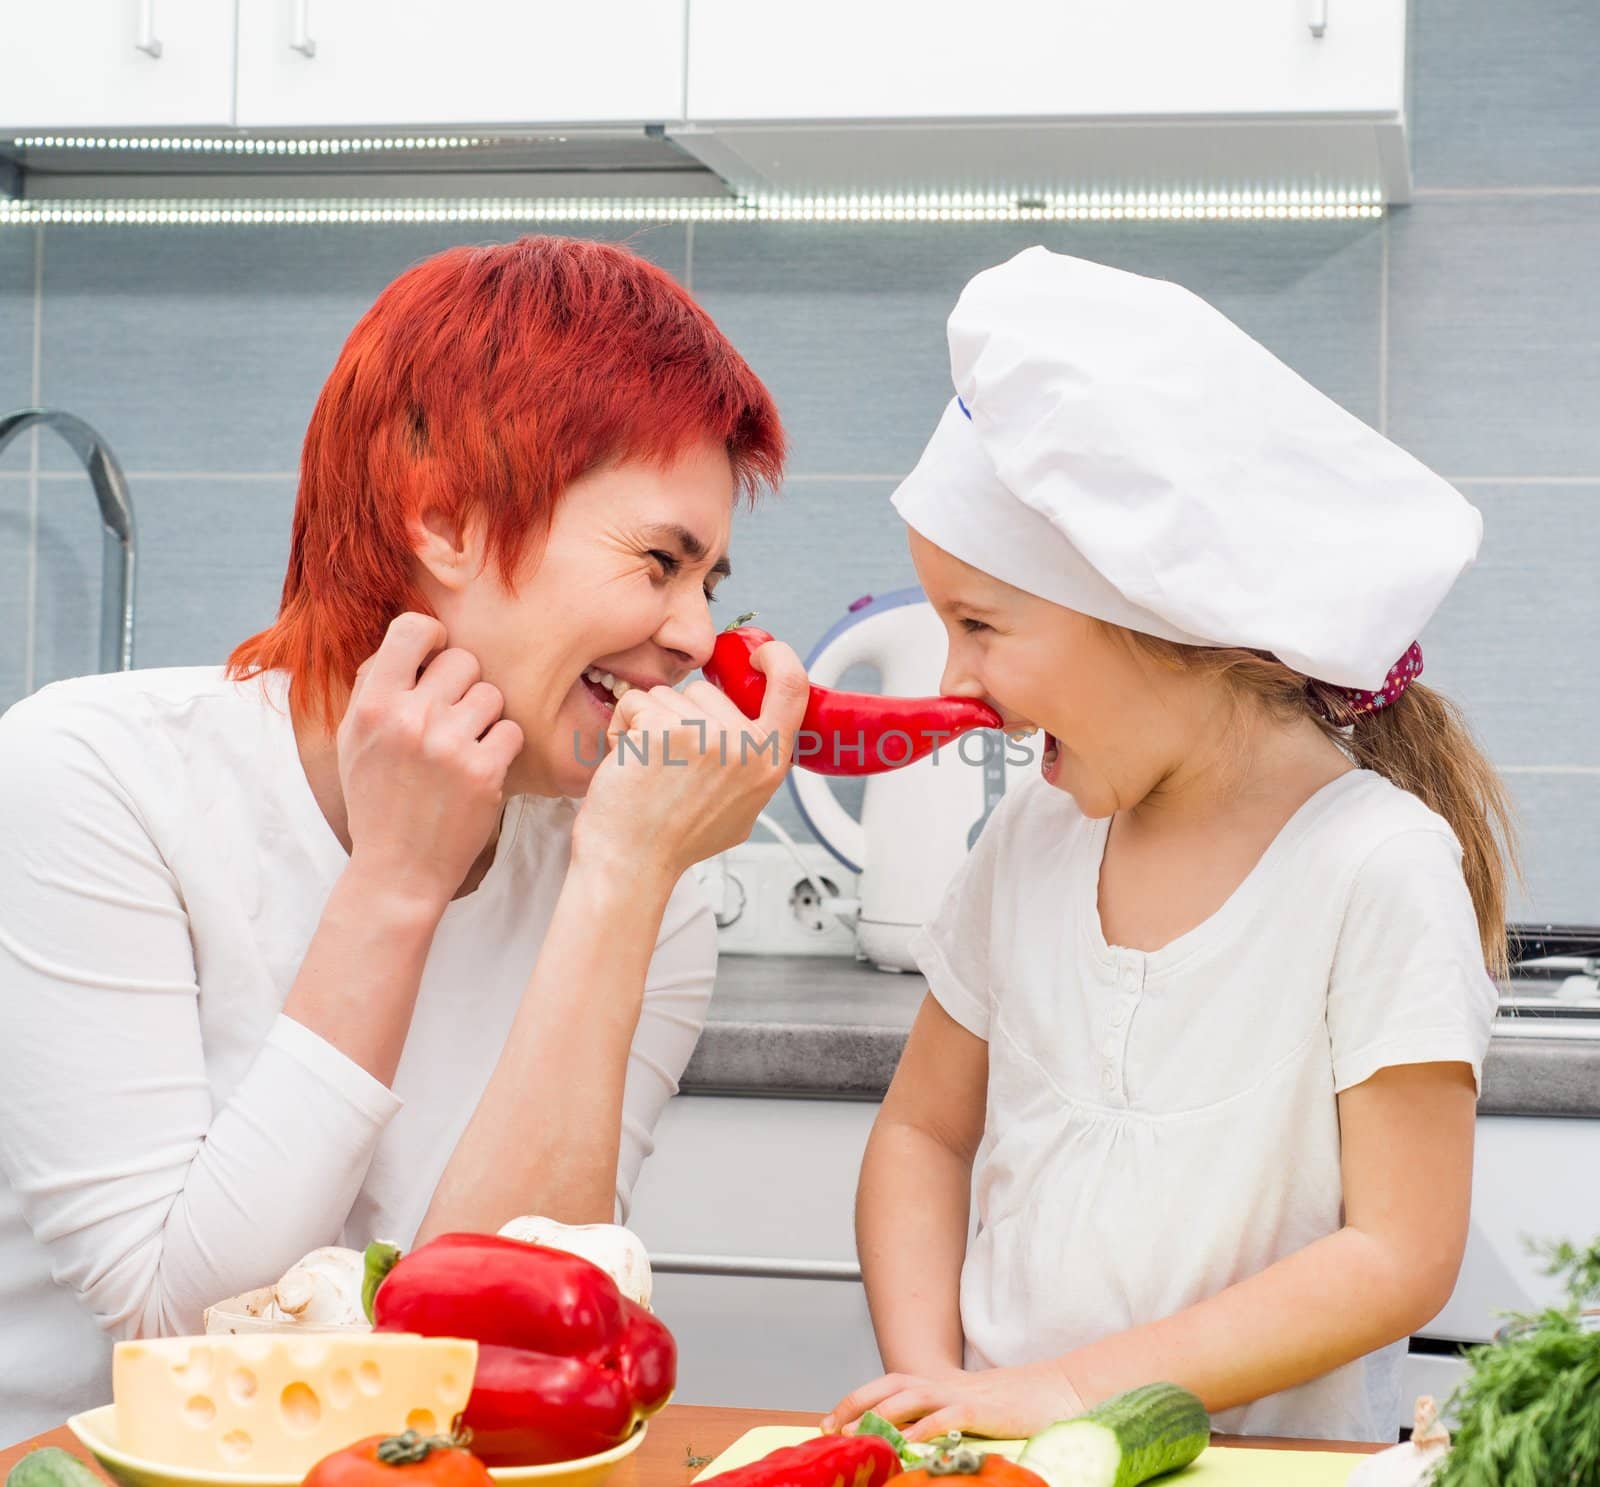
(1050, 757)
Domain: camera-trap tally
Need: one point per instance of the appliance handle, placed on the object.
(300, 39)
(148, 43)
(755, 1267)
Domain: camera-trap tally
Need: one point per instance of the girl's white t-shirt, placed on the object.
(167, 1136)
(1162, 1125)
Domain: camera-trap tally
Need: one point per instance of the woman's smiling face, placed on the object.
(621, 586)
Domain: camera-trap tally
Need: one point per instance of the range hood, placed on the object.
(842, 170)
(232, 165)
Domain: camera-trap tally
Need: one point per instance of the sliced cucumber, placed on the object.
(50, 1466)
(1144, 1433)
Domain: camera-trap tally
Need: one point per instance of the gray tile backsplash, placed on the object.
(67, 605)
(1494, 334)
(16, 334)
(799, 560)
(14, 550)
(203, 349)
(1506, 95)
(1516, 641)
(801, 557)
(1470, 322)
(1557, 816)
(847, 323)
(210, 567)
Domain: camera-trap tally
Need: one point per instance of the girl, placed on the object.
(1208, 1001)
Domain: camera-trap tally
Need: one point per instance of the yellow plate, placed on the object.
(1218, 1466)
(97, 1429)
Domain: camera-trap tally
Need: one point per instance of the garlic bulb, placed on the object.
(1413, 1463)
(616, 1250)
(322, 1290)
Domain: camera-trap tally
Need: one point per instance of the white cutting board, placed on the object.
(1218, 1466)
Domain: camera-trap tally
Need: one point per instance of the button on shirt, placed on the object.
(1162, 1125)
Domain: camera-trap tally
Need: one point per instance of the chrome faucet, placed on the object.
(116, 515)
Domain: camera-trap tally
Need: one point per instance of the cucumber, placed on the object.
(1144, 1433)
(50, 1466)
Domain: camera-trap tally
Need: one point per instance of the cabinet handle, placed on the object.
(148, 42)
(751, 1267)
(300, 41)
(1319, 18)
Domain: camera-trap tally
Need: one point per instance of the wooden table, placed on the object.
(682, 1431)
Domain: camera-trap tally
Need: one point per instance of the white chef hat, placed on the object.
(1119, 447)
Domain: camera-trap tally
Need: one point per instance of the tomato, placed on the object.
(406, 1460)
(993, 1471)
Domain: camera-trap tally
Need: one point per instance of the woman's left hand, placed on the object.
(687, 772)
(1002, 1403)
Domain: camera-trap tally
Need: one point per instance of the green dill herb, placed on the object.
(1530, 1405)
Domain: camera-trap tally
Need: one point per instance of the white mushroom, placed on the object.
(321, 1290)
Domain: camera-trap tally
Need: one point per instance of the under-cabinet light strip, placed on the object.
(195, 145)
(1275, 205)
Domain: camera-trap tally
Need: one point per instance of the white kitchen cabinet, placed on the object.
(366, 63)
(770, 1180)
(135, 64)
(1437, 1377)
(947, 59)
(1532, 1178)
(775, 1180)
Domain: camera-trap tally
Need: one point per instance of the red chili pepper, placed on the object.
(847, 733)
(567, 1365)
(830, 1461)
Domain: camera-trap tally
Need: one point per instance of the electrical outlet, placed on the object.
(769, 908)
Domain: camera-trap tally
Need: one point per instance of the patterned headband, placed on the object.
(1352, 702)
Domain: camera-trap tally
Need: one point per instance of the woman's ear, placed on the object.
(449, 548)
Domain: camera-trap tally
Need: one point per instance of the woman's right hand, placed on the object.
(423, 755)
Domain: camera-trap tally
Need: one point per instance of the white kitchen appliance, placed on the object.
(917, 822)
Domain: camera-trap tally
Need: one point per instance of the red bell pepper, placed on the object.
(567, 1365)
(847, 733)
(829, 1461)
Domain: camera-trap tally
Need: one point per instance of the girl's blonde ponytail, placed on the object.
(1421, 743)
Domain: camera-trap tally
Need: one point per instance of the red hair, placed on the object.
(485, 381)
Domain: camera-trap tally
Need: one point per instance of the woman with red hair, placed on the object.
(386, 929)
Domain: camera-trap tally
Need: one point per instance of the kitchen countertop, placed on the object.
(828, 1027)
(680, 1430)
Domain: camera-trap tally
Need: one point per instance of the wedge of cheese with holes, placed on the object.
(276, 1403)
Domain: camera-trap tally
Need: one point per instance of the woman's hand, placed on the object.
(422, 762)
(687, 772)
(1002, 1403)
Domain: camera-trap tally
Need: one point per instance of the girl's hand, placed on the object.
(423, 754)
(1002, 1403)
(688, 773)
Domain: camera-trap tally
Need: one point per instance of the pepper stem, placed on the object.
(743, 619)
(379, 1260)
